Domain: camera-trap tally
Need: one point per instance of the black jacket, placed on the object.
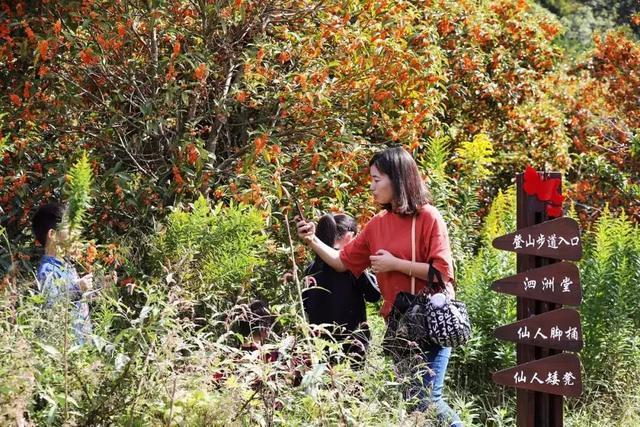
(338, 298)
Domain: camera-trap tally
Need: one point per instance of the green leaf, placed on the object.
(50, 350)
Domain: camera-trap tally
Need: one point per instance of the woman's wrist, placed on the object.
(414, 269)
(405, 266)
(312, 242)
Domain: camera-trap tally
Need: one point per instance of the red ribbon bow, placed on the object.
(546, 190)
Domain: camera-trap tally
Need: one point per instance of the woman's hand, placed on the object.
(306, 230)
(383, 261)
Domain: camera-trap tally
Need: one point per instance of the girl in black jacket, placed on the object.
(338, 299)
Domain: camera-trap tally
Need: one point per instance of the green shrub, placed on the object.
(473, 364)
(211, 252)
(78, 192)
(610, 276)
(455, 183)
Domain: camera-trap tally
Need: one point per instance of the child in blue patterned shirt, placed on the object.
(58, 279)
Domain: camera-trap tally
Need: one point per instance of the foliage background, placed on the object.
(197, 118)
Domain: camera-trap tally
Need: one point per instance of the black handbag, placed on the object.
(406, 331)
(448, 325)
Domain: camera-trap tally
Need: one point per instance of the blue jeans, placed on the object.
(427, 371)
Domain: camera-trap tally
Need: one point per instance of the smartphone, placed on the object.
(299, 209)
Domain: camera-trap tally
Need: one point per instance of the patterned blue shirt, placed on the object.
(55, 278)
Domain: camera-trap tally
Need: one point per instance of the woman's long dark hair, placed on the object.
(409, 190)
(332, 227)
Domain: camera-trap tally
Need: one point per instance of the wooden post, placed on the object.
(534, 409)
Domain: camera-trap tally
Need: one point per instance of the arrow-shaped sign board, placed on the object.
(559, 374)
(557, 239)
(559, 329)
(557, 283)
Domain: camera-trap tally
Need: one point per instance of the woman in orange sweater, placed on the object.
(385, 245)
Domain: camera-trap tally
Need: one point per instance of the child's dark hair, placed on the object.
(332, 227)
(250, 319)
(47, 217)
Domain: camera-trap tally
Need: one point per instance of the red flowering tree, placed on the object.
(238, 98)
(604, 125)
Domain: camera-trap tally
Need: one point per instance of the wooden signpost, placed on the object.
(559, 329)
(544, 329)
(557, 283)
(558, 375)
(558, 239)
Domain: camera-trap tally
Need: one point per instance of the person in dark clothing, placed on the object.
(338, 299)
(252, 322)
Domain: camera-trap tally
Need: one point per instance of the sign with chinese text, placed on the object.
(557, 283)
(559, 374)
(559, 329)
(546, 280)
(557, 239)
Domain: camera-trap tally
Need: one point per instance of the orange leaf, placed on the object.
(15, 99)
(284, 57)
(57, 27)
(200, 72)
(176, 49)
(43, 47)
(260, 143)
(242, 96)
(87, 57)
(26, 93)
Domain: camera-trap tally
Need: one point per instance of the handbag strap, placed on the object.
(413, 254)
(433, 273)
